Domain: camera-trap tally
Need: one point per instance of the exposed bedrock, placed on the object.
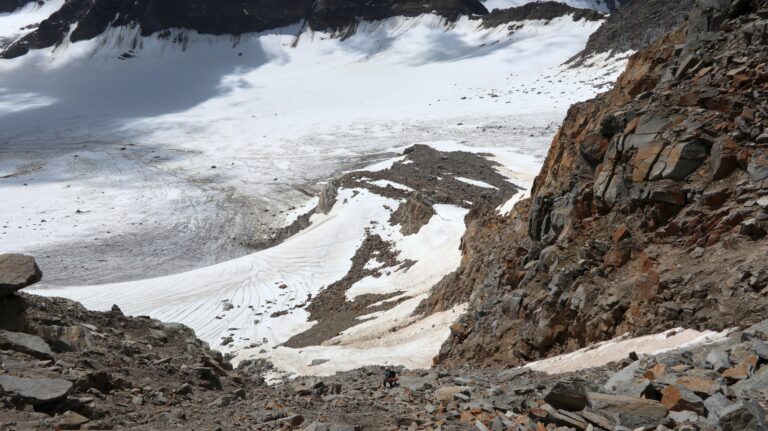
(635, 25)
(650, 212)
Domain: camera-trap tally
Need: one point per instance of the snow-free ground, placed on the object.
(152, 173)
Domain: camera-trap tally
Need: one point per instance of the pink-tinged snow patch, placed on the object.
(619, 348)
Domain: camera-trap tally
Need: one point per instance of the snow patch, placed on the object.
(619, 348)
(385, 183)
(293, 215)
(476, 183)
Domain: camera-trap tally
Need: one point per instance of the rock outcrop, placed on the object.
(649, 211)
(91, 18)
(635, 25)
(547, 10)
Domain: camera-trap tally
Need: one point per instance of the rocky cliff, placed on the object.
(650, 212)
(92, 17)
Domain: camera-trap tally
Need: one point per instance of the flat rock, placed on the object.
(417, 383)
(25, 343)
(632, 412)
(36, 391)
(739, 372)
(17, 271)
(635, 388)
(71, 421)
(700, 386)
(446, 393)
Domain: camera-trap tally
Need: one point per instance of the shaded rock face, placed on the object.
(547, 10)
(637, 24)
(649, 211)
(17, 272)
(336, 14)
(12, 5)
(93, 17)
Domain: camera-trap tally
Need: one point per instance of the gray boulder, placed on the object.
(626, 374)
(744, 416)
(718, 360)
(758, 331)
(755, 385)
(17, 272)
(25, 343)
(716, 406)
(36, 391)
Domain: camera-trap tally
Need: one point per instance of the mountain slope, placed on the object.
(650, 211)
(637, 24)
(604, 6)
(92, 18)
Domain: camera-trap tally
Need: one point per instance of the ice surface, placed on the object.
(182, 139)
(287, 113)
(239, 298)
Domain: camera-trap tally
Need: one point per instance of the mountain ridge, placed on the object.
(93, 17)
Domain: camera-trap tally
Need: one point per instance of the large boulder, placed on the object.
(25, 343)
(17, 271)
(36, 391)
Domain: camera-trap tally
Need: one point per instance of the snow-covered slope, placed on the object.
(14, 25)
(273, 112)
(134, 149)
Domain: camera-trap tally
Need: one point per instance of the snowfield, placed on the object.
(153, 173)
(242, 129)
(239, 298)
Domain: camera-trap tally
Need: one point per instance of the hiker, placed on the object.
(390, 379)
